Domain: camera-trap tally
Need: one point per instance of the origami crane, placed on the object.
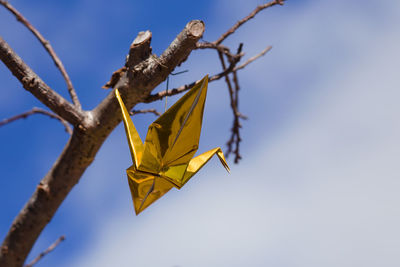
(165, 160)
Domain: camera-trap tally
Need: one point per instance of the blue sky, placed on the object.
(319, 182)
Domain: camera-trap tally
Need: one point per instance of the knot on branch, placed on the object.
(4, 250)
(43, 190)
(29, 82)
(115, 77)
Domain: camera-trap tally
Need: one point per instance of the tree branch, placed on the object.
(247, 18)
(139, 51)
(32, 83)
(49, 49)
(220, 48)
(85, 142)
(215, 77)
(138, 81)
(233, 59)
(143, 111)
(36, 110)
(208, 45)
(262, 53)
(235, 138)
(47, 251)
(234, 102)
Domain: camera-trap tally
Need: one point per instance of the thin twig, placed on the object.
(183, 88)
(49, 49)
(242, 66)
(234, 102)
(179, 72)
(247, 18)
(227, 80)
(220, 48)
(47, 251)
(36, 110)
(208, 45)
(235, 137)
(143, 111)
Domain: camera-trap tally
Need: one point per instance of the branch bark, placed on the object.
(144, 111)
(36, 86)
(36, 110)
(49, 49)
(231, 68)
(87, 138)
(47, 251)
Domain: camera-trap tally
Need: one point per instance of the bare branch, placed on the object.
(47, 251)
(187, 39)
(232, 69)
(37, 86)
(234, 101)
(208, 45)
(235, 139)
(139, 50)
(247, 18)
(139, 81)
(262, 53)
(85, 142)
(49, 49)
(183, 88)
(143, 111)
(36, 110)
(235, 136)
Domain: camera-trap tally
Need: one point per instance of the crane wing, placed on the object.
(134, 141)
(174, 137)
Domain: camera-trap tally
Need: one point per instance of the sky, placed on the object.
(319, 180)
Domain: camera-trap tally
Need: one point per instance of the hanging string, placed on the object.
(166, 90)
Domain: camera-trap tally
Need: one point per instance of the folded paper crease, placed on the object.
(165, 159)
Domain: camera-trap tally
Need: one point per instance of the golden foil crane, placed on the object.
(165, 160)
